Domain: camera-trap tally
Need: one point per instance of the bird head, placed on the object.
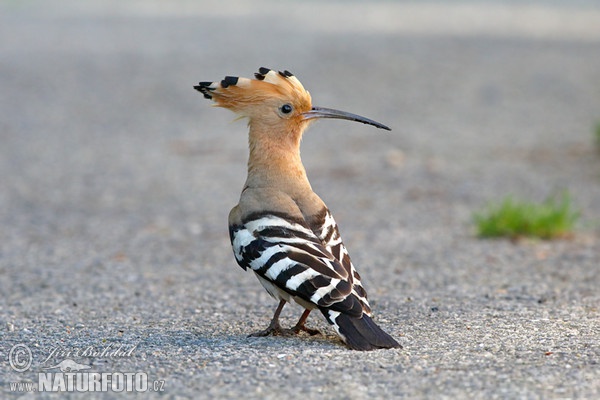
(272, 100)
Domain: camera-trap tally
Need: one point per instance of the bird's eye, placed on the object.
(286, 108)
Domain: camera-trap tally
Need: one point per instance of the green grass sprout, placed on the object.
(597, 135)
(554, 218)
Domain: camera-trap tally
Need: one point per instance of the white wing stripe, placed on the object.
(241, 239)
(323, 291)
(278, 267)
(264, 257)
(300, 278)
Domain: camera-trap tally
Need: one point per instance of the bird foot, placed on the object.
(277, 330)
(298, 328)
(272, 329)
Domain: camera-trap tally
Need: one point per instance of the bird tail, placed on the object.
(359, 333)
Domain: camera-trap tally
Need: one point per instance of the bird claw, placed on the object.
(276, 330)
(298, 328)
(273, 329)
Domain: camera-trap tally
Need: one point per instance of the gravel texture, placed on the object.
(117, 178)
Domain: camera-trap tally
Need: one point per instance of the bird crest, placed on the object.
(268, 88)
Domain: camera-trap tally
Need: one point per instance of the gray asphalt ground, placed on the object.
(117, 178)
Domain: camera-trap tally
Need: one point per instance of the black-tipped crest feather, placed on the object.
(205, 89)
(229, 80)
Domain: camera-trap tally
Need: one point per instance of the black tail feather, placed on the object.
(361, 333)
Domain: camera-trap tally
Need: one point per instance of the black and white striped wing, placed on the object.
(289, 255)
(328, 233)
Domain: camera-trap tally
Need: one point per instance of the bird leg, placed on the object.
(301, 327)
(274, 328)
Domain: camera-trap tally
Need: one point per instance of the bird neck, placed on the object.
(274, 160)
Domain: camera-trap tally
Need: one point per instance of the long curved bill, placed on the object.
(322, 112)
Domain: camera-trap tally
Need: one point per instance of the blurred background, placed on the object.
(96, 95)
(107, 151)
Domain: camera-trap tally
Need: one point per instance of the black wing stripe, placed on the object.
(262, 270)
(323, 266)
(256, 249)
(288, 219)
(315, 251)
(284, 276)
(330, 234)
(284, 233)
(347, 304)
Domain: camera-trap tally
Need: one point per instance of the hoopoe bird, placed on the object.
(281, 229)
